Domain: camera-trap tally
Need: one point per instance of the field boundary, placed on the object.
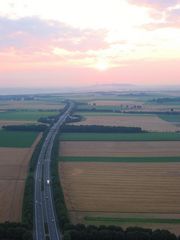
(119, 159)
(132, 220)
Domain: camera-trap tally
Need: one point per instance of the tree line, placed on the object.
(82, 232)
(15, 231)
(28, 128)
(101, 129)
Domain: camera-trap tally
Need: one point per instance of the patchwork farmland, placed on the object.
(126, 183)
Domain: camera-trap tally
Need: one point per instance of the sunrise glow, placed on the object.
(102, 66)
(68, 42)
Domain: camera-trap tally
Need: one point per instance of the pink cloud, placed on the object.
(32, 34)
(157, 4)
(171, 20)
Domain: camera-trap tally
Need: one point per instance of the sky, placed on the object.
(56, 43)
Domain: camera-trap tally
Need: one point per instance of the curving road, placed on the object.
(45, 221)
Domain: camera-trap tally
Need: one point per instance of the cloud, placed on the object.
(171, 20)
(157, 4)
(33, 33)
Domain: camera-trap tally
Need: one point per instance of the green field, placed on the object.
(17, 139)
(93, 113)
(162, 159)
(170, 117)
(25, 115)
(101, 107)
(120, 136)
(116, 220)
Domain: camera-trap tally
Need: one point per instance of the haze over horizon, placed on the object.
(82, 43)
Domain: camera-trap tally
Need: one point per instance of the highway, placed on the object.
(45, 224)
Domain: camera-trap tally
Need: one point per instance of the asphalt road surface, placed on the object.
(45, 220)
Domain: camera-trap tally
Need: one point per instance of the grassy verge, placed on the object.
(120, 136)
(59, 202)
(116, 220)
(19, 139)
(120, 159)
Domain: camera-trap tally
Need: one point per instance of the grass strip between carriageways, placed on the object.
(131, 220)
(120, 136)
(120, 159)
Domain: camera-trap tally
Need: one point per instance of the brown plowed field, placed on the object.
(119, 149)
(149, 123)
(13, 171)
(116, 188)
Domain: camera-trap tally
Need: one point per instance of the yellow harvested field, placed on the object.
(5, 105)
(116, 103)
(101, 189)
(13, 171)
(119, 149)
(149, 123)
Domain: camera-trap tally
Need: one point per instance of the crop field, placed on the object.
(25, 115)
(149, 123)
(31, 105)
(119, 149)
(151, 107)
(138, 104)
(125, 194)
(13, 171)
(115, 103)
(156, 136)
(16, 139)
(170, 118)
(8, 123)
(103, 113)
